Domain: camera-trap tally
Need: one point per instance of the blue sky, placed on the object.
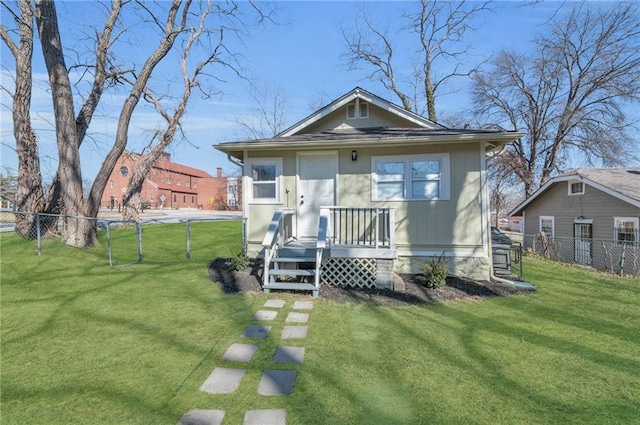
(302, 57)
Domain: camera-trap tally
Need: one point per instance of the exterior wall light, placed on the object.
(354, 155)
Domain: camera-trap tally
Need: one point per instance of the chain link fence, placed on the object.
(157, 240)
(619, 257)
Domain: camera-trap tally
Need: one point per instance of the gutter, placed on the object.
(368, 141)
(235, 161)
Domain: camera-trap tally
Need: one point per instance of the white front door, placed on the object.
(582, 243)
(316, 188)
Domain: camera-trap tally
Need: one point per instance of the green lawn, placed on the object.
(84, 343)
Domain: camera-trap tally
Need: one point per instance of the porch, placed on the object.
(354, 247)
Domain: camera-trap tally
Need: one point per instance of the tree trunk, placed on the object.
(29, 193)
(66, 132)
(131, 206)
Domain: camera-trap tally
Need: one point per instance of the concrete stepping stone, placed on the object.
(289, 355)
(294, 332)
(303, 305)
(240, 352)
(264, 315)
(265, 417)
(297, 317)
(274, 303)
(277, 382)
(222, 381)
(256, 331)
(202, 417)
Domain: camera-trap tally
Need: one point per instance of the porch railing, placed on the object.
(279, 231)
(321, 244)
(361, 227)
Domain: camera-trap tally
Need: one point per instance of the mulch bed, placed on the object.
(247, 281)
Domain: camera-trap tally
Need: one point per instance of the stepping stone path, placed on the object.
(273, 383)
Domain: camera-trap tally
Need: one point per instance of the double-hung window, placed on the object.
(625, 229)
(547, 224)
(411, 177)
(265, 174)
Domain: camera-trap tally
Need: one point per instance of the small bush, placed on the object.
(435, 272)
(239, 262)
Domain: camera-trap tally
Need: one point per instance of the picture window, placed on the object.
(411, 177)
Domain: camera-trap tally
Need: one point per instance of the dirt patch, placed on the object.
(246, 281)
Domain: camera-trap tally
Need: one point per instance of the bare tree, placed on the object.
(502, 182)
(571, 95)
(131, 200)
(67, 193)
(269, 115)
(29, 192)
(439, 28)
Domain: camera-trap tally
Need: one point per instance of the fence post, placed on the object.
(244, 236)
(39, 243)
(109, 245)
(624, 252)
(139, 231)
(188, 239)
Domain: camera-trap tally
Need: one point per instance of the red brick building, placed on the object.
(172, 185)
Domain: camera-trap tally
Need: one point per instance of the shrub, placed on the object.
(239, 262)
(435, 272)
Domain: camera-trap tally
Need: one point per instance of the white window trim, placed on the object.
(360, 114)
(553, 224)
(357, 111)
(445, 175)
(616, 220)
(265, 161)
(570, 182)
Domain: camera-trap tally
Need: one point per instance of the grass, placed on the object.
(84, 343)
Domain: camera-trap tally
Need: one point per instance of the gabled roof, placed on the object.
(163, 164)
(349, 97)
(425, 132)
(168, 165)
(621, 183)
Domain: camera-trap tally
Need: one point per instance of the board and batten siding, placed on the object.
(452, 225)
(594, 205)
(423, 226)
(259, 215)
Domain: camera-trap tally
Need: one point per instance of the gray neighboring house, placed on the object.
(588, 205)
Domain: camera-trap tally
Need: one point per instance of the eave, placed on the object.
(493, 141)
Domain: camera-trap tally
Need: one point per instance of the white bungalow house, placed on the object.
(362, 188)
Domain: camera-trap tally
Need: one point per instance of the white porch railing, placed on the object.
(351, 234)
(321, 244)
(278, 232)
(361, 227)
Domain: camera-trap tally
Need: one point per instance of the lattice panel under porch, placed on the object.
(354, 272)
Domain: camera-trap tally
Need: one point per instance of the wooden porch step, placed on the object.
(294, 260)
(291, 272)
(298, 286)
